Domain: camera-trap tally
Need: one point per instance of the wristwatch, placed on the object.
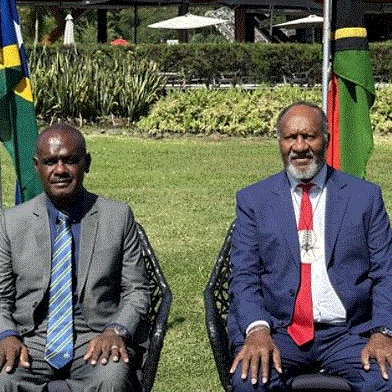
(384, 330)
(119, 331)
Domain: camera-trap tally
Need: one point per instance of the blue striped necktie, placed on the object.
(59, 339)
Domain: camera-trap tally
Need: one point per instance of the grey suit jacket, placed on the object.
(112, 282)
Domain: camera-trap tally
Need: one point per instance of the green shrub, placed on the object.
(100, 81)
(72, 85)
(239, 112)
(381, 114)
(258, 63)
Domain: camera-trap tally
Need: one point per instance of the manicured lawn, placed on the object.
(182, 190)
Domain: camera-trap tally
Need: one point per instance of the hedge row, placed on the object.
(238, 112)
(116, 82)
(258, 63)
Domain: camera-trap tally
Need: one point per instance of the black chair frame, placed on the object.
(161, 298)
(216, 302)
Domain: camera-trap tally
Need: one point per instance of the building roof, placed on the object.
(308, 5)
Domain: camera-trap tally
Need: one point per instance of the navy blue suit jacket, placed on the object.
(265, 254)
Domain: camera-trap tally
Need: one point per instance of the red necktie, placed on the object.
(301, 328)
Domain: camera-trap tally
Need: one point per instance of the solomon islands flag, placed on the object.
(18, 124)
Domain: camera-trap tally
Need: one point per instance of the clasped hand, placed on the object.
(100, 349)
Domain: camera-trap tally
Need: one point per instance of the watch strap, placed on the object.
(383, 330)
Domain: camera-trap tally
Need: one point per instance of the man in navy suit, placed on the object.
(348, 247)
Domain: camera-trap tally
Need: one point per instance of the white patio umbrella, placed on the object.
(187, 21)
(69, 31)
(309, 21)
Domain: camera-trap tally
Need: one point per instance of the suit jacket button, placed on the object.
(292, 292)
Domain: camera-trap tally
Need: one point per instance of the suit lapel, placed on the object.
(88, 233)
(282, 202)
(42, 237)
(336, 205)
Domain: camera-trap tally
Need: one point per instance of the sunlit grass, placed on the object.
(182, 190)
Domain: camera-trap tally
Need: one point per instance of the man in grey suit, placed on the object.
(108, 286)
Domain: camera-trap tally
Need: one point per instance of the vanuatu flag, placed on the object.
(352, 91)
(18, 125)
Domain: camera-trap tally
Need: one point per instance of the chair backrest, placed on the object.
(161, 298)
(216, 301)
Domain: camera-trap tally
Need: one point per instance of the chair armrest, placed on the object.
(216, 303)
(156, 341)
(161, 299)
(216, 331)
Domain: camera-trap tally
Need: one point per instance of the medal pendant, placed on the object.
(307, 240)
(307, 257)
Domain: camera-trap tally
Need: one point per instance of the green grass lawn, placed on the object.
(182, 190)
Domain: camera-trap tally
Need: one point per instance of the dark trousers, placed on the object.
(334, 349)
(80, 376)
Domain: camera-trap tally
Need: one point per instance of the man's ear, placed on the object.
(328, 139)
(87, 162)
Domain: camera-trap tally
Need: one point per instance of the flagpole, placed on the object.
(1, 184)
(326, 52)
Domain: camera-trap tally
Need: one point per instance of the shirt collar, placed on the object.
(319, 179)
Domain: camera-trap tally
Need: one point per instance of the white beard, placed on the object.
(308, 174)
